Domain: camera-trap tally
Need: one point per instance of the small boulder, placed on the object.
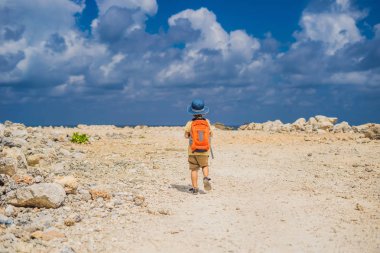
(321, 118)
(69, 183)
(8, 123)
(44, 195)
(361, 128)
(18, 155)
(139, 200)
(221, 126)
(272, 126)
(34, 159)
(2, 128)
(286, 128)
(313, 123)
(299, 124)
(64, 152)
(69, 222)
(308, 128)
(48, 235)
(373, 132)
(95, 194)
(8, 166)
(325, 125)
(84, 195)
(141, 127)
(342, 127)
(23, 179)
(255, 126)
(38, 179)
(5, 220)
(13, 142)
(10, 211)
(19, 133)
(243, 127)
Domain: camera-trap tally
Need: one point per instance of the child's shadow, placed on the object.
(184, 188)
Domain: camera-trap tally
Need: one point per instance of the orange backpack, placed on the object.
(200, 134)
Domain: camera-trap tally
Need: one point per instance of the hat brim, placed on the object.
(205, 110)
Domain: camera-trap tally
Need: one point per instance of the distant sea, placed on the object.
(121, 126)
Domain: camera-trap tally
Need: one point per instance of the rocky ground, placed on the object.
(275, 189)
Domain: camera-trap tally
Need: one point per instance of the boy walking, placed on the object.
(198, 131)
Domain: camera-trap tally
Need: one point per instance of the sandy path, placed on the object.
(275, 193)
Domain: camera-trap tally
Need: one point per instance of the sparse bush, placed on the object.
(79, 138)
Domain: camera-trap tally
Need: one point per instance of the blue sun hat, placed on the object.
(197, 107)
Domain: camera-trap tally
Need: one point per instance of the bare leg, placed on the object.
(206, 180)
(194, 178)
(205, 171)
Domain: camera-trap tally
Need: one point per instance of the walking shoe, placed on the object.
(194, 191)
(206, 183)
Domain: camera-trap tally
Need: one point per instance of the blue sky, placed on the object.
(142, 62)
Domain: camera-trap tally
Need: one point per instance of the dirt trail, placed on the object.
(271, 193)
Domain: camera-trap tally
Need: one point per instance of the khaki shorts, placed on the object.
(197, 161)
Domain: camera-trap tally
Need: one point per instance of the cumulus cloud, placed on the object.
(147, 6)
(119, 18)
(214, 54)
(330, 48)
(335, 27)
(213, 36)
(45, 56)
(9, 61)
(56, 43)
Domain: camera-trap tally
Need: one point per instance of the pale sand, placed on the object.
(271, 193)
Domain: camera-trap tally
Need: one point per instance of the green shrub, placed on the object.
(79, 138)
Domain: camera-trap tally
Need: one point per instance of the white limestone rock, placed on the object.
(342, 127)
(69, 183)
(44, 195)
(361, 128)
(321, 118)
(272, 126)
(8, 166)
(299, 124)
(18, 155)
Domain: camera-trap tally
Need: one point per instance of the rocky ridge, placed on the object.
(318, 124)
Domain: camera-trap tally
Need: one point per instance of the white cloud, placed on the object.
(344, 4)
(119, 18)
(335, 30)
(213, 36)
(231, 50)
(377, 30)
(360, 78)
(242, 44)
(107, 68)
(335, 27)
(42, 17)
(74, 83)
(147, 6)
